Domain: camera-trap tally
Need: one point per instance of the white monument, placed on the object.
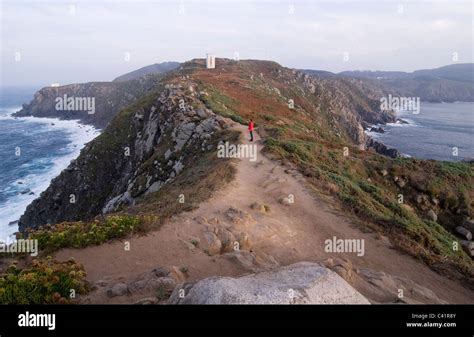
(210, 61)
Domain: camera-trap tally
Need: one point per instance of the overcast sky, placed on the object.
(44, 42)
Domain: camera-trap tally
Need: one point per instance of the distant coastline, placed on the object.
(436, 133)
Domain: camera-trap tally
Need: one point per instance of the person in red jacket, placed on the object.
(251, 126)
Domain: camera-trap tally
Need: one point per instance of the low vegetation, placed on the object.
(386, 194)
(221, 104)
(82, 234)
(45, 281)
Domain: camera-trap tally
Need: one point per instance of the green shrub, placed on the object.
(80, 234)
(45, 282)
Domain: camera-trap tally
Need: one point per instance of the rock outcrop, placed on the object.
(109, 99)
(148, 143)
(381, 287)
(382, 148)
(145, 147)
(300, 283)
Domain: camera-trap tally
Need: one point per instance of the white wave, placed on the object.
(78, 135)
(410, 123)
(6, 113)
(373, 134)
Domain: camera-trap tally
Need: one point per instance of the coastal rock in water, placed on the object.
(378, 130)
(382, 148)
(300, 283)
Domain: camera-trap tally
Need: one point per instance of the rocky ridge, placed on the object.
(150, 142)
(109, 98)
(144, 148)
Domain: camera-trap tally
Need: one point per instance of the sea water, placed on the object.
(32, 152)
(440, 131)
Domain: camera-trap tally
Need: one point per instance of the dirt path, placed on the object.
(289, 232)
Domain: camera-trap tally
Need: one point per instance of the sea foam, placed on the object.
(77, 135)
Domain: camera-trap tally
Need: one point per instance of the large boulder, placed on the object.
(299, 283)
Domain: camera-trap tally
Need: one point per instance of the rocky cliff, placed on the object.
(149, 142)
(143, 148)
(109, 99)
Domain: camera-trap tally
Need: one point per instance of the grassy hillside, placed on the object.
(395, 197)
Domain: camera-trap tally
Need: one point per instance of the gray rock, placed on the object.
(432, 215)
(382, 287)
(468, 247)
(300, 283)
(401, 182)
(202, 113)
(147, 301)
(152, 284)
(118, 289)
(464, 233)
(11, 223)
(469, 224)
(382, 148)
(161, 271)
(211, 244)
(252, 261)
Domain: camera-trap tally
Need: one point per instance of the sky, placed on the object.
(44, 42)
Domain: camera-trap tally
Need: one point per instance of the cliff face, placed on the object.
(109, 99)
(143, 148)
(149, 142)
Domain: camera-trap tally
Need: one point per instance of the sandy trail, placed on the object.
(288, 232)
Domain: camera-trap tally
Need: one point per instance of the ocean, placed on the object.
(33, 151)
(441, 131)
